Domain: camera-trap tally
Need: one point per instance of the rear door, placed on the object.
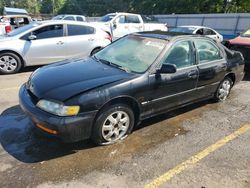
(212, 66)
(81, 40)
(48, 47)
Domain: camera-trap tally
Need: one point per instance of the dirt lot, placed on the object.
(184, 140)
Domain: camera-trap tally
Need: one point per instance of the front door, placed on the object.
(171, 90)
(124, 25)
(48, 47)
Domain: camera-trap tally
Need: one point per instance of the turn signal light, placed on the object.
(46, 129)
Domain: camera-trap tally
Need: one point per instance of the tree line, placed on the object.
(101, 7)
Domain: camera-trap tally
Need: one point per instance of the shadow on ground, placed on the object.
(30, 68)
(23, 141)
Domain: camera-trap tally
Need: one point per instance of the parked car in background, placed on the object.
(242, 44)
(199, 30)
(71, 17)
(49, 41)
(11, 22)
(134, 78)
(121, 24)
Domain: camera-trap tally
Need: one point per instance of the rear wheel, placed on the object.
(95, 51)
(224, 89)
(113, 123)
(9, 63)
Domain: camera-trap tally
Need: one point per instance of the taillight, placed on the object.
(7, 28)
(108, 36)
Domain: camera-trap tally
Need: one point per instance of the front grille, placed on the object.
(34, 98)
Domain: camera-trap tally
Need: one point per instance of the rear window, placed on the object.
(78, 18)
(74, 30)
(149, 19)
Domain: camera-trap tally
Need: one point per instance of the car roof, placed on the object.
(194, 26)
(164, 35)
(65, 22)
(69, 15)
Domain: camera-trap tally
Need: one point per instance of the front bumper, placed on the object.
(69, 129)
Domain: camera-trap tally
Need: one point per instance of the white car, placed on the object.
(199, 30)
(71, 17)
(50, 41)
(121, 24)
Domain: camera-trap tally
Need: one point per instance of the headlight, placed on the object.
(58, 108)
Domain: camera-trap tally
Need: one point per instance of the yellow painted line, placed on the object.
(196, 158)
(10, 88)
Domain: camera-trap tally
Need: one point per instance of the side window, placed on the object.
(74, 30)
(200, 32)
(120, 19)
(209, 32)
(180, 55)
(69, 18)
(207, 51)
(132, 19)
(78, 18)
(50, 31)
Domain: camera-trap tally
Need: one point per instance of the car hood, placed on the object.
(240, 41)
(61, 81)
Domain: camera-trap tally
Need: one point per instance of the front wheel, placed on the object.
(113, 123)
(9, 63)
(224, 89)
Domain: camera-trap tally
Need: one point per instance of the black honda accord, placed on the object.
(139, 76)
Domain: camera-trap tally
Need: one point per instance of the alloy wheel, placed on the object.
(224, 90)
(115, 126)
(8, 63)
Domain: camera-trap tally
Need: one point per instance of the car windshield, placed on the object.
(21, 29)
(132, 53)
(246, 34)
(183, 29)
(107, 18)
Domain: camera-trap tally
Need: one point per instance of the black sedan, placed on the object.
(139, 76)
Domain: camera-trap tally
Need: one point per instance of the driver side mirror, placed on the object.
(32, 37)
(167, 69)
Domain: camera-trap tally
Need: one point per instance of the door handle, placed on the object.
(60, 43)
(193, 74)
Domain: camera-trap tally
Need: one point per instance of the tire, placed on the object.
(95, 51)
(109, 128)
(10, 63)
(223, 90)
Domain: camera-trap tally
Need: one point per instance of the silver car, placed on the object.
(47, 42)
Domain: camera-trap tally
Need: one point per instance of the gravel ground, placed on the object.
(28, 159)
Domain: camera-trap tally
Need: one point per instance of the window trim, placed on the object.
(67, 30)
(193, 50)
(197, 54)
(31, 32)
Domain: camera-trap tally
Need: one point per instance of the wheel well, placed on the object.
(10, 51)
(132, 103)
(97, 48)
(231, 76)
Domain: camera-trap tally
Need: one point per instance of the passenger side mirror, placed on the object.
(114, 25)
(167, 69)
(32, 37)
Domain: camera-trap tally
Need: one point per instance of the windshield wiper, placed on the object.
(113, 64)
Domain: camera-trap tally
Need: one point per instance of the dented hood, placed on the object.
(63, 80)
